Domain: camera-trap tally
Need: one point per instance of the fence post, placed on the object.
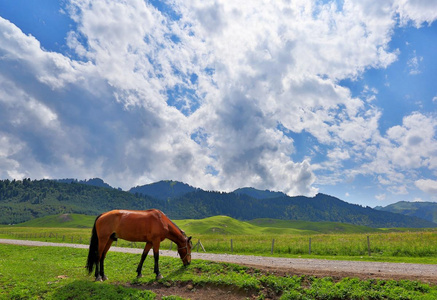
(368, 245)
(171, 244)
(232, 247)
(273, 245)
(309, 251)
(199, 243)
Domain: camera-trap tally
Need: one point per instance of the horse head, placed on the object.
(185, 251)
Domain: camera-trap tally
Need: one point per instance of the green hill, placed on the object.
(258, 194)
(423, 210)
(319, 227)
(25, 200)
(163, 190)
(220, 225)
(228, 225)
(61, 221)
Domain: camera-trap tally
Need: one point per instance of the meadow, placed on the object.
(265, 237)
(59, 273)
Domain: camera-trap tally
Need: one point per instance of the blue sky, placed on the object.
(337, 97)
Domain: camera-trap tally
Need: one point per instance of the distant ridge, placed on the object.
(23, 200)
(258, 194)
(93, 181)
(423, 210)
(163, 190)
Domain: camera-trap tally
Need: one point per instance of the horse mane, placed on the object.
(181, 231)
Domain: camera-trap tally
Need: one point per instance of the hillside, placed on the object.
(215, 225)
(163, 190)
(423, 210)
(258, 194)
(25, 200)
(61, 221)
(201, 204)
(94, 182)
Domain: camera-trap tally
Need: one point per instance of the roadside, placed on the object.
(291, 266)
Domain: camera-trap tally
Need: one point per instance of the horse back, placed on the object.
(133, 225)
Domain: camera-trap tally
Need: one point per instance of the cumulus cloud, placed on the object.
(427, 185)
(209, 93)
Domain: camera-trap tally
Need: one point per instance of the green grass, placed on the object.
(312, 227)
(59, 273)
(328, 240)
(62, 221)
(216, 225)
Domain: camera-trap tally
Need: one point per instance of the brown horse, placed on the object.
(150, 226)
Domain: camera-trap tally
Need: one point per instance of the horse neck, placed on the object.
(175, 235)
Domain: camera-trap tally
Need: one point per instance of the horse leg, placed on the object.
(156, 256)
(143, 258)
(102, 271)
(103, 248)
(97, 272)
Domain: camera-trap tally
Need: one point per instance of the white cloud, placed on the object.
(414, 64)
(380, 197)
(208, 97)
(416, 11)
(427, 185)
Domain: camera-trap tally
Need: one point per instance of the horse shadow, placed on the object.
(85, 289)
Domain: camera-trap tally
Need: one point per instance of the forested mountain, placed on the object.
(163, 190)
(423, 210)
(24, 200)
(258, 194)
(94, 181)
(322, 207)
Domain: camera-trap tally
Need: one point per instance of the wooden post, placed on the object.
(309, 251)
(273, 246)
(171, 244)
(368, 245)
(232, 247)
(200, 243)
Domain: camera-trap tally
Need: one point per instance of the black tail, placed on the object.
(93, 253)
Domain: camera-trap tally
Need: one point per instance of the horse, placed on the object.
(151, 226)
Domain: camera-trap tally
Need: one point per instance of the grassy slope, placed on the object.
(215, 225)
(58, 273)
(61, 221)
(319, 227)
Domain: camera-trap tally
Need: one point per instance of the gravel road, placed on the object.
(292, 266)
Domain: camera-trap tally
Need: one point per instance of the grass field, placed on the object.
(291, 238)
(59, 273)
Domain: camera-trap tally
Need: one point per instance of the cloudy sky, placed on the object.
(299, 96)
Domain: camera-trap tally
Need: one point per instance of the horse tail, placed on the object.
(93, 252)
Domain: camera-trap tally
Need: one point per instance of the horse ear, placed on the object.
(189, 239)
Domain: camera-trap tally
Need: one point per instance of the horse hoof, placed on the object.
(139, 275)
(159, 277)
(104, 278)
(98, 278)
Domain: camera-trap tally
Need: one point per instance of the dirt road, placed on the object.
(291, 266)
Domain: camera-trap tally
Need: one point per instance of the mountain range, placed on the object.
(423, 210)
(27, 199)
